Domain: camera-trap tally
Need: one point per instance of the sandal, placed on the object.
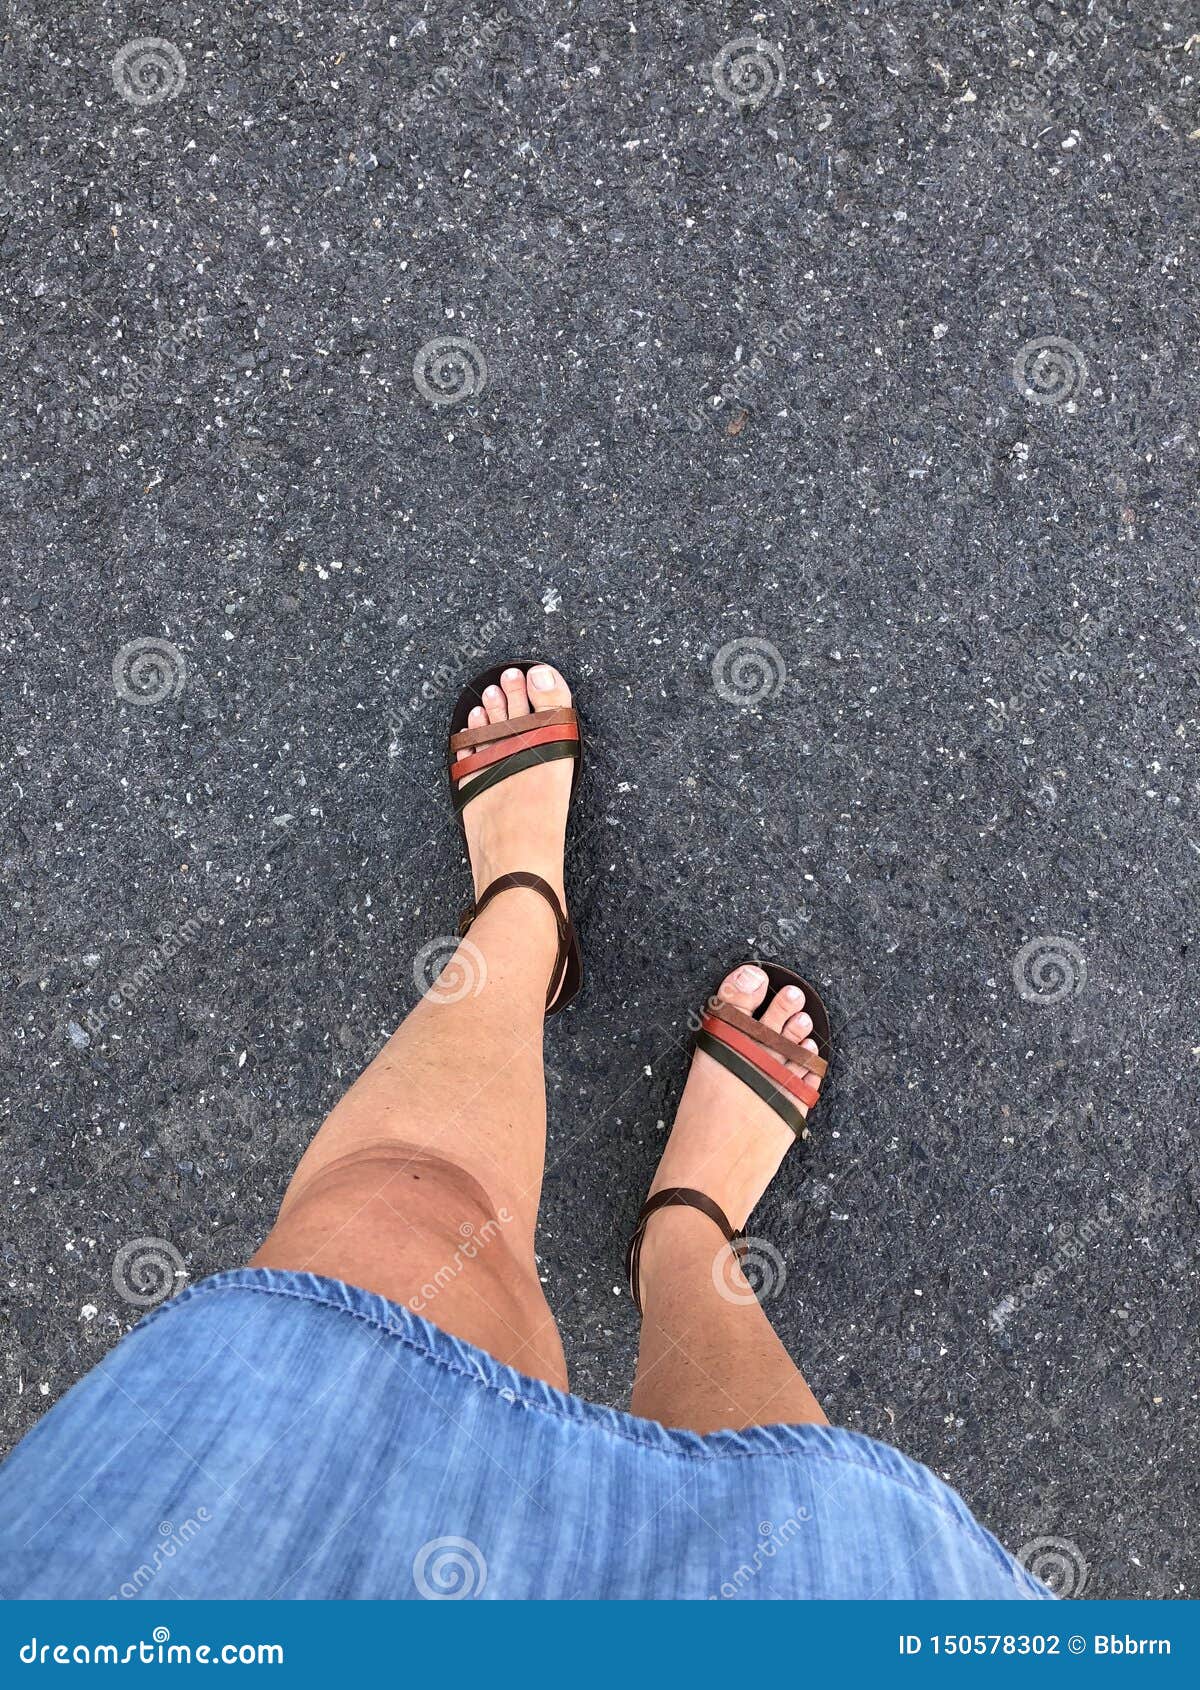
(502, 749)
(740, 1043)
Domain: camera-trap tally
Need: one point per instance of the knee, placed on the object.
(398, 1189)
(423, 1232)
(414, 1226)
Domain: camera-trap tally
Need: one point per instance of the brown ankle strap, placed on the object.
(673, 1197)
(534, 883)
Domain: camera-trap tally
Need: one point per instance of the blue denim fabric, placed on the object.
(271, 1434)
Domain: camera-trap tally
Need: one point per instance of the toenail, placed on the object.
(493, 692)
(749, 979)
(511, 675)
(542, 678)
(792, 992)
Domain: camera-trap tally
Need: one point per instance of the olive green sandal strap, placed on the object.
(514, 765)
(790, 1113)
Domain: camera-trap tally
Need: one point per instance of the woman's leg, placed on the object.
(424, 1182)
(708, 1357)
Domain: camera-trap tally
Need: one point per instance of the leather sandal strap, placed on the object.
(514, 764)
(468, 738)
(488, 755)
(534, 883)
(753, 1076)
(799, 1085)
(674, 1197)
(745, 1024)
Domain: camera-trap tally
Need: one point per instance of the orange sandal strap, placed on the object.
(772, 1069)
(776, 1088)
(513, 763)
(468, 738)
(788, 1049)
(488, 755)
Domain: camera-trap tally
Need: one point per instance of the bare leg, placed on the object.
(709, 1358)
(423, 1184)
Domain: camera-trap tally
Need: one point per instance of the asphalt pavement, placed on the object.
(816, 387)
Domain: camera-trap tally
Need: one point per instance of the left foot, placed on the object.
(726, 1142)
(522, 822)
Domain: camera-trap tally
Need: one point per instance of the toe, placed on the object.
(495, 704)
(745, 988)
(513, 683)
(547, 689)
(810, 1086)
(798, 1027)
(476, 719)
(782, 1007)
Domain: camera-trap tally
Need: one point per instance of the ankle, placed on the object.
(517, 925)
(679, 1246)
(490, 864)
(726, 1177)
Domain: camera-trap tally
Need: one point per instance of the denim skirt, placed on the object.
(273, 1434)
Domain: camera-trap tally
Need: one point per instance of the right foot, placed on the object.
(726, 1142)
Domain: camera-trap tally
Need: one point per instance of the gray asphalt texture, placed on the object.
(887, 655)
